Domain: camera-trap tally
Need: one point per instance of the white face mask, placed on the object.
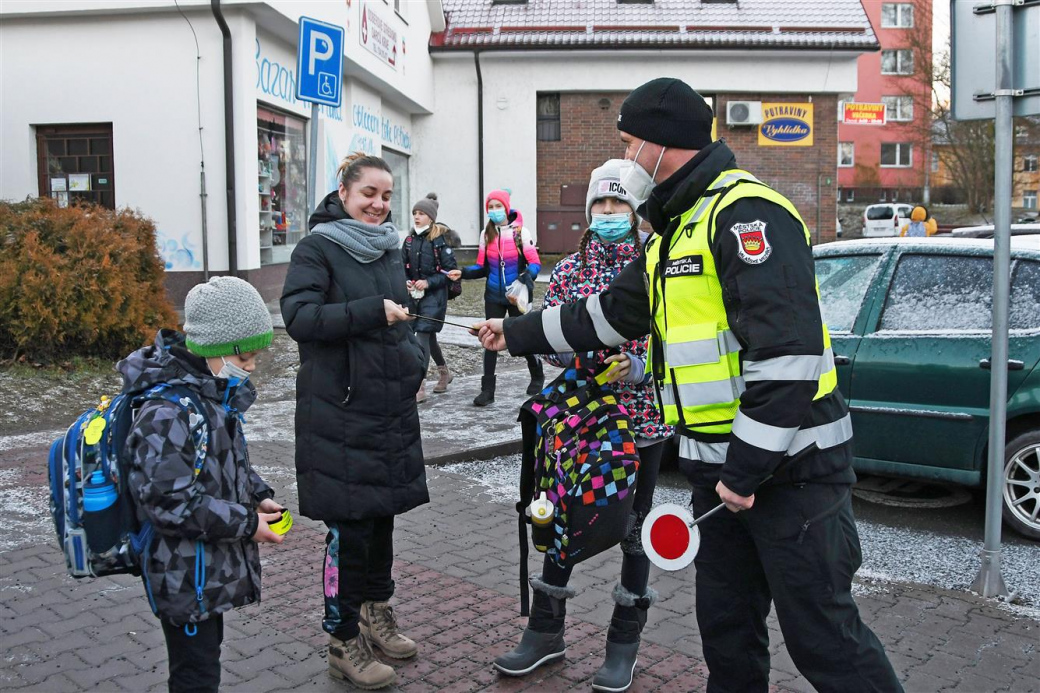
(422, 229)
(636, 180)
(235, 374)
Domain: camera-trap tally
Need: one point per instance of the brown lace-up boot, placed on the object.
(354, 661)
(378, 622)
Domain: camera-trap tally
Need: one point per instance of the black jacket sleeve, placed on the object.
(773, 309)
(619, 314)
(308, 318)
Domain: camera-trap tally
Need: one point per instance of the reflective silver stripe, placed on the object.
(789, 367)
(691, 353)
(760, 435)
(713, 453)
(824, 436)
(553, 330)
(604, 332)
(728, 342)
(699, 394)
(731, 178)
(701, 208)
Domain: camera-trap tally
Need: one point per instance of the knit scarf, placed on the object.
(365, 242)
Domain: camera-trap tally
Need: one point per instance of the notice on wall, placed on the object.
(863, 113)
(786, 125)
(58, 184)
(378, 36)
(79, 181)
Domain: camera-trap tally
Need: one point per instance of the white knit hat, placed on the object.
(226, 316)
(606, 182)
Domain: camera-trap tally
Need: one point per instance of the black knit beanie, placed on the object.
(666, 111)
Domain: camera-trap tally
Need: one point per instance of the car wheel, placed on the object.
(1022, 484)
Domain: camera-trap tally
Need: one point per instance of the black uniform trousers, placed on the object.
(194, 659)
(359, 557)
(798, 548)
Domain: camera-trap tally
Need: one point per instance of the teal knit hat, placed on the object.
(226, 316)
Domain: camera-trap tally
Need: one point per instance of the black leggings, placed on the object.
(635, 566)
(497, 310)
(359, 557)
(430, 347)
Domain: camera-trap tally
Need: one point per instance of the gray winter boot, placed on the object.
(627, 623)
(542, 641)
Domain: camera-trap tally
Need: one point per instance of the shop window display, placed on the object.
(282, 184)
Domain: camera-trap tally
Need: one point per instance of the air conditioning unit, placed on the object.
(743, 113)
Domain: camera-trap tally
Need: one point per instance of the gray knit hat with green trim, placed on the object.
(226, 316)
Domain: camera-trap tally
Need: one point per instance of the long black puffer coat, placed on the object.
(358, 450)
(421, 255)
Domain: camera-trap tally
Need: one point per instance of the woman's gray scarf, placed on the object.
(365, 242)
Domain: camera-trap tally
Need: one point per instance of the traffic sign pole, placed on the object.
(312, 162)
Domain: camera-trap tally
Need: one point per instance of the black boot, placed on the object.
(542, 641)
(537, 377)
(487, 392)
(623, 640)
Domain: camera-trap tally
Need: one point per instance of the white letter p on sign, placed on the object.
(326, 51)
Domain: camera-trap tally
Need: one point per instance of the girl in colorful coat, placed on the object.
(610, 243)
(506, 255)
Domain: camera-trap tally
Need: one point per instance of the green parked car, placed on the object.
(910, 323)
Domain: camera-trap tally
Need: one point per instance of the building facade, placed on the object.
(527, 95)
(891, 162)
(122, 103)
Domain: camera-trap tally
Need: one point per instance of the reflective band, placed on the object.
(695, 450)
(728, 342)
(693, 353)
(731, 178)
(604, 332)
(789, 367)
(700, 394)
(825, 436)
(760, 435)
(701, 208)
(553, 330)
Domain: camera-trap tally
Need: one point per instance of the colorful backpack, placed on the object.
(89, 472)
(579, 450)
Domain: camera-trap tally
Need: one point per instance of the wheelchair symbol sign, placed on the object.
(319, 62)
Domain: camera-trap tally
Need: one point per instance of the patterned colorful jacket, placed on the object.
(574, 278)
(202, 560)
(500, 262)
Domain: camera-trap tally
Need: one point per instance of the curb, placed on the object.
(509, 447)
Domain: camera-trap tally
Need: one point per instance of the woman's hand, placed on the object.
(420, 284)
(623, 369)
(455, 275)
(394, 312)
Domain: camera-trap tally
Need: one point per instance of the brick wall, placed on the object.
(589, 136)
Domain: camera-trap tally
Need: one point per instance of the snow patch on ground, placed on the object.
(29, 440)
(27, 518)
(271, 421)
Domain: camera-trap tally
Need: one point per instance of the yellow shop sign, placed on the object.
(786, 125)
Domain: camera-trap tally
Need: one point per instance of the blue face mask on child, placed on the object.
(497, 216)
(611, 228)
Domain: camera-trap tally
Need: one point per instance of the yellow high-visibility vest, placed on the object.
(701, 382)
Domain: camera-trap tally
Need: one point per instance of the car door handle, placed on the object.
(840, 360)
(1013, 364)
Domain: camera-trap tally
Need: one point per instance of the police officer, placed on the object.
(743, 368)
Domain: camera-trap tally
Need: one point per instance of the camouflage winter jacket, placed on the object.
(202, 560)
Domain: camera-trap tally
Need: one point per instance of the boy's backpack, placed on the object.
(454, 287)
(89, 471)
(579, 449)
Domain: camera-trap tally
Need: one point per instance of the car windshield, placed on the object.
(879, 212)
(843, 283)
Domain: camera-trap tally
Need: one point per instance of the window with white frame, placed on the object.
(899, 61)
(935, 162)
(898, 108)
(1029, 163)
(897, 15)
(897, 155)
(846, 154)
(1029, 199)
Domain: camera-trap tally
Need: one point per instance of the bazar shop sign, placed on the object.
(786, 125)
(863, 113)
(378, 36)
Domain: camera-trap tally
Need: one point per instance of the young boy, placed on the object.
(203, 559)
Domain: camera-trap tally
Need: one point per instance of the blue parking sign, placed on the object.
(319, 62)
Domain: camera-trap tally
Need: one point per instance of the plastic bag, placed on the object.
(518, 294)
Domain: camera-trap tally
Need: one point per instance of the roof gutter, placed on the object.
(229, 141)
(480, 139)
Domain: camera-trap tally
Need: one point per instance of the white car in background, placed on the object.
(885, 219)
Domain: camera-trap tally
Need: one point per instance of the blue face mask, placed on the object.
(611, 228)
(497, 216)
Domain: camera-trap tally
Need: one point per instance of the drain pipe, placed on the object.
(480, 143)
(229, 141)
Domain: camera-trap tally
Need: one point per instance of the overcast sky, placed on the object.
(940, 24)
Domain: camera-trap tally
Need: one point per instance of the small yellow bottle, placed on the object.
(542, 512)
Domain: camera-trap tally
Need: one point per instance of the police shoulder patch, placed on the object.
(752, 245)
